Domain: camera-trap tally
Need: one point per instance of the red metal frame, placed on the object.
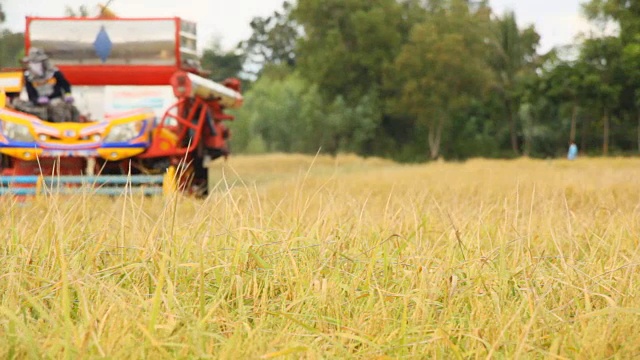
(45, 166)
(197, 110)
(177, 35)
(117, 75)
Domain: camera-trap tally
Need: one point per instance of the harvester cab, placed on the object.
(144, 107)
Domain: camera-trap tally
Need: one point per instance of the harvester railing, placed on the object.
(98, 185)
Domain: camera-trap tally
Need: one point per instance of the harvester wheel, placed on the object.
(104, 167)
(200, 184)
(5, 162)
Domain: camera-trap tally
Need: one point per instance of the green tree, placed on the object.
(563, 82)
(221, 64)
(514, 60)
(11, 48)
(443, 68)
(273, 40)
(602, 56)
(346, 48)
(630, 63)
(348, 43)
(287, 114)
(623, 13)
(615, 60)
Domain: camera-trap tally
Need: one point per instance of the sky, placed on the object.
(557, 21)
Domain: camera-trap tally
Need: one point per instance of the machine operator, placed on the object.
(48, 90)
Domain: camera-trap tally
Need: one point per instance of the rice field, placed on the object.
(296, 257)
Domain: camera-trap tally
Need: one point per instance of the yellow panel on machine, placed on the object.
(12, 81)
(26, 137)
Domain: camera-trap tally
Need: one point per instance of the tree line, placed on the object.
(415, 80)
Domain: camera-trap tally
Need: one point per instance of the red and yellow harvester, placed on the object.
(146, 108)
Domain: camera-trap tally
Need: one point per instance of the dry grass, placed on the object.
(346, 258)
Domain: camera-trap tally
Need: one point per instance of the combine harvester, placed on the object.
(149, 119)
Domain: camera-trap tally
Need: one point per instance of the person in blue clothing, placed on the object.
(573, 151)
